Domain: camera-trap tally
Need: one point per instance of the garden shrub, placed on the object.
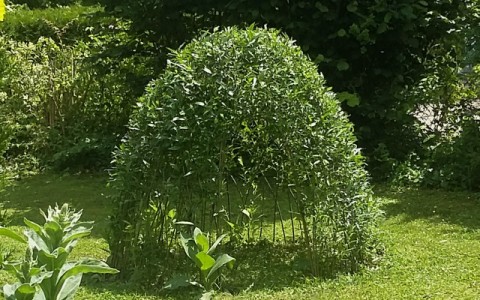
(455, 162)
(242, 119)
(448, 116)
(65, 24)
(60, 110)
(33, 4)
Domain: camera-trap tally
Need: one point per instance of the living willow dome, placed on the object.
(241, 136)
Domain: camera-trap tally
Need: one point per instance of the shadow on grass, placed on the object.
(26, 197)
(458, 208)
(262, 266)
(267, 266)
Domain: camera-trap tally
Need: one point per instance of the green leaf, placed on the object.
(25, 289)
(87, 266)
(205, 260)
(201, 240)
(35, 241)
(240, 160)
(172, 213)
(18, 291)
(34, 226)
(189, 246)
(387, 17)
(52, 227)
(382, 28)
(341, 32)
(76, 233)
(39, 275)
(184, 223)
(8, 233)
(222, 261)
(207, 70)
(407, 11)
(69, 287)
(342, 65)
(352, 100)
(352, 7)
(321, 7)
(215, 245)
(177, 281)
(320, 58)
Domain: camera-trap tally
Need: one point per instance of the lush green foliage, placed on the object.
(66, 24)
(45, 272)
(61, 108)
(198, 249)
(242, 118)
(448, 119)
(33, 4)
(368, 50)
(455, 163)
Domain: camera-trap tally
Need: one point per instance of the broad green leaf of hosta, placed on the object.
(2, 9)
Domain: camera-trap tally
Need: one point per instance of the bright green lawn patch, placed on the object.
(432, 240)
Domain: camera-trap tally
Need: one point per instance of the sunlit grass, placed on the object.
(431, 240)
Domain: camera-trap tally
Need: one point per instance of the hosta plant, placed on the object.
(198, 249)
(45, 272)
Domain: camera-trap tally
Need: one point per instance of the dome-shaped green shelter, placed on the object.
(240, 135)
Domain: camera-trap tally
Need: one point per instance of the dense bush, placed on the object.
(448, 116)
(33, 4)
(241, 123)
(64, 24)
(60, 109)
(455, 160)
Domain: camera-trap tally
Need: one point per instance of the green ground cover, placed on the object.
(431, 239)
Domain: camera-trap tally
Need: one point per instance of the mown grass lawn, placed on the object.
(432, 241)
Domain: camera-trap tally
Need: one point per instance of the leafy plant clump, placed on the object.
(198, 249)
(242, 119)
(45, 272)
